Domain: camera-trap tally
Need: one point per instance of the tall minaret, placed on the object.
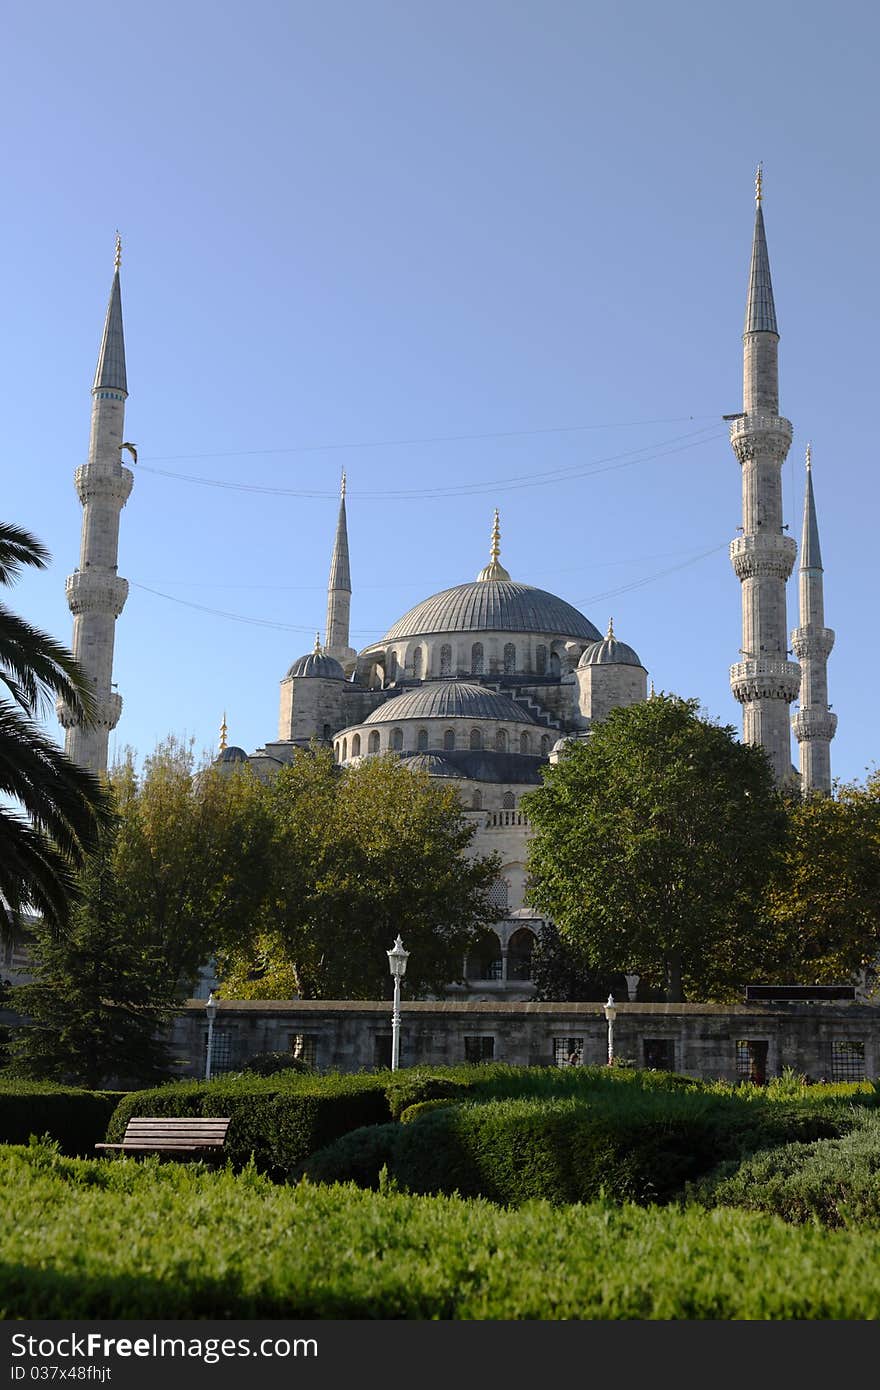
(814, 724)
(765, 682)
(95, 593)
(339, 594)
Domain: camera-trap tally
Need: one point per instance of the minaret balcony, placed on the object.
(814, 723)
(757, 555)
(766, 678)
(93, 485)
(761, 436)
(107, 713)
(91, 591)
(812, 642)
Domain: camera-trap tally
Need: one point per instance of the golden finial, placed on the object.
(759, 183)
(652, 694)
(809, 457)
(317, 651)
(496, 539)
(342, 487)
(117, 260)
(223, 733)
(609, 635)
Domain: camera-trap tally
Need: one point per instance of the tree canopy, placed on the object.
(653, 841)
(51, 811)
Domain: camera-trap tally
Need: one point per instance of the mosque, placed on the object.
(482, 684)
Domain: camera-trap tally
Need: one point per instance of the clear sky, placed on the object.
(483, 253)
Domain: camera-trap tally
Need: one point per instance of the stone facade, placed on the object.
(834, 1041)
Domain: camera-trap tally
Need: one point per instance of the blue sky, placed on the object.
(455, 249)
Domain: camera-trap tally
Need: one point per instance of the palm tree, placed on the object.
(51, 811)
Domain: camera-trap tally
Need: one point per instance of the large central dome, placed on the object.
(494, 605)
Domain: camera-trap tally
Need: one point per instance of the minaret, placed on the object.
(765, 682)
(95, 593)
(339, 594)
(814, 724)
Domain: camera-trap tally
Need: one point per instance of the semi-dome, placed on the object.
(432, 763)
(493, 605)
(318, 665)
(449, 700)
(610, 652)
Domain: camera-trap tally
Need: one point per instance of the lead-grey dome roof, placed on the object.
(610, 652)
(449, 700)
(316, 664)
(232, 754)
(432, 763)
(493, 605)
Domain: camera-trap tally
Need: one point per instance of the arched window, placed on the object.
(519, 954)
(508, 802)
(344, 749)
(328, 733)
(509, 658)
(476, 738)
(397, 739)
(422, 741)
(374, 741)
(417, 663)
(554, 663)
(449, 740)
(541, 660)
(477, 659)
(525, 743)
(501, 741)
(477, 801)
(446, 660)
(545, 745)
(499, 893)
(391, 666)
(356, 746)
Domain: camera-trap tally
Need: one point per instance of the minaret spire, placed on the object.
(765, 682)
(814, 724)
(95, 593)
(336, 642)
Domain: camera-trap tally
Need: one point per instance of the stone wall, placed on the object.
(701, 1040)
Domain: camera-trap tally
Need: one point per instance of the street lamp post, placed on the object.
(397, 959)
(210, 1014)
(611, 1015)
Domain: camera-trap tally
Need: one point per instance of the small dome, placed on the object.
(432, 763)
(317, 665)
(231, 755)
(449, 700)
(610, 652)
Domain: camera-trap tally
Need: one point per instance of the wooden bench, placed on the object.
(175, 1136)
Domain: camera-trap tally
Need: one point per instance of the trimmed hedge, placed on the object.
(77, 1119)
(833, 1181)
(95, 1240)
(279, 1119)
(634, 1146)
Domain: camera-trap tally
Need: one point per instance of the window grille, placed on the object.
(476, 738)
(525, 743)
(541, 660)
(480, 1049)
(847, 1061)
(382, 1051)
(751, 1060)
(501, 741)
(509, 658)
(477, 801)
(508, 802)
(477, 659)
(304, 1047)
(449, 740)
(422, 743)
(417, 663)
(446, 659)
(374, 741)
(659, 1054)
(221, 1051)
(568, 1052)
(499, 893)
(545, 745)
(397, 739)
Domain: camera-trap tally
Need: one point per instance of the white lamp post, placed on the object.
(397, 959)
(210, 1014)
(611, 1015)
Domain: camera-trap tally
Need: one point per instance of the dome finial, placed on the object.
(223, 733)
(759, 183)
(494, 569)
(342, 487)
(495, 550)
(117, 259)
(609, 635)
(652, 694)
(317, 647)
(809, 458)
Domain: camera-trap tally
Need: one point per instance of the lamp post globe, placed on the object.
(397, 959)
(611, 1015)
(210, 1014)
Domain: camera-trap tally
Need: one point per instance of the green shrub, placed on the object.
(270, 1063)
(413, 1088)
(280, 1119)
(424, 1107)
(358, 1157)
(96, 1240)
(833, 1181)
(77, 1119)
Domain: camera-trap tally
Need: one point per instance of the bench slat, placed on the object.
(172, 1134)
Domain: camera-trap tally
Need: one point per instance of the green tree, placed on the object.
(824, 902)
(562, 973)
(51, 811)
(97, 1004)
(192, 856)
(653, 841)
(358, 857)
